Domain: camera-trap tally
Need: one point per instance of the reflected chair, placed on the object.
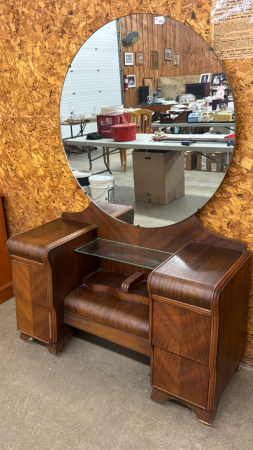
(144, 120)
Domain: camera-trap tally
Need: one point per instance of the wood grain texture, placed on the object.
(132, 281)
(184, 378)
(200, 267)
(54, 270)
(105, 308)
(169, 239)
(204, 416)
(29, 282)
(114, 283)
(33, 320)
(36, 47)
(124, 213)
(132, 341)
(232, 327)
(34, 244)
(211, 278)
(181, 332)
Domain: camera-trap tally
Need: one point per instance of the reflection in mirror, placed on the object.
(166, 172)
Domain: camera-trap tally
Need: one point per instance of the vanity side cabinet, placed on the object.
(45, 268)
(198, 323)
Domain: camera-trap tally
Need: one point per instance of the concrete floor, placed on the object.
(96, 396)
(199, 187)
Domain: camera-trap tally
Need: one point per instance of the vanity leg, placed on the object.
(24, 336)
(57, 347)
(159, 396)
(202, 415)
(206, 417)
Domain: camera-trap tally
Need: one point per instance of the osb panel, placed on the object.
(38, 41)
(36, 176)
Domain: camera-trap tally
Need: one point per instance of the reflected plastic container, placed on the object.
(124, 132)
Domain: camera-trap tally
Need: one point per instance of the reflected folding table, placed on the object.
(81, 123)
(205, 143)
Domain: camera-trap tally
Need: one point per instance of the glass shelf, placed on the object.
(125, 253)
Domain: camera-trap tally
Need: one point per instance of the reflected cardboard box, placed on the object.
(206, 164)
(158, 176)
(190, 160)
(201, 162)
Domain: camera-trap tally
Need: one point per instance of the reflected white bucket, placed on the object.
(102, 188)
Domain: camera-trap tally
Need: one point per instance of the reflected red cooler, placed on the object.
(124, 132)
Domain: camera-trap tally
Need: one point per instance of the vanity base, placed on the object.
(202, 415)
(24, 336)
(57, 347)
(178, 294)
(131, 341)
(101, 307)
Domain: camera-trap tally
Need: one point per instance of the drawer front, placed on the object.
(181, 331)
(33, 319)
(29, 282)
(180, 377)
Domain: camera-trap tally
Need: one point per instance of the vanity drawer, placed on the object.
(181, 377)
(185, 332)
(33, 319)
(29, 282)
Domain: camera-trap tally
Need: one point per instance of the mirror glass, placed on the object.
(144, 62)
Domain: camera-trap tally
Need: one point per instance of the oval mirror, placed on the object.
(144, 63)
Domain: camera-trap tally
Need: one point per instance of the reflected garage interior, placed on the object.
(160, 80)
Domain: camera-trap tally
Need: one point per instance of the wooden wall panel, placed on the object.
(6, 288)
(37, 43)
(195, 57)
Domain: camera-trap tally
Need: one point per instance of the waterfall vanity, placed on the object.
(178, 294)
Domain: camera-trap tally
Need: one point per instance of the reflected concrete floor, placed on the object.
(199, 187)
(96, 396)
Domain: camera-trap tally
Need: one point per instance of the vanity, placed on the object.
(178, 294)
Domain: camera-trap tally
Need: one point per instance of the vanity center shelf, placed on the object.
(126, 253)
